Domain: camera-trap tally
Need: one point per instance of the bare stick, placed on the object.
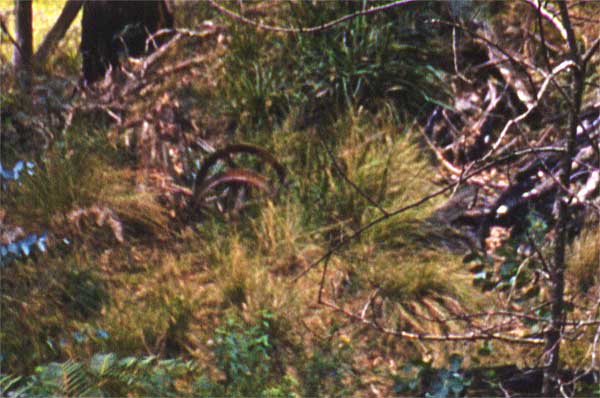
(10, 37)
(564, 65)
(537, 4)
(468, 336)
(312, 29)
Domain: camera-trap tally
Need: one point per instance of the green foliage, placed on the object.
(254, 88)
(243, 353)
(516, 275)
(368, 148)
(257, 96)
(329, 105)
(368, 58)
(421, 378)
(387, 56)
(105, 375)
(11, 384)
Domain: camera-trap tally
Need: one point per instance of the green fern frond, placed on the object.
(12, 385)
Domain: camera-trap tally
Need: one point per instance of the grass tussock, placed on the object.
(584, 259)
(60, 183)
(62, 188)
(412, 278)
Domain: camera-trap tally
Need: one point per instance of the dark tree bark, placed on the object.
(23, 51)
(551, 384)
(114, 28)
(64, 21)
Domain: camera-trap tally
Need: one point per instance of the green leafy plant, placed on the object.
(516, 274)
(243, 354)
(105, 375)
(421, 378)
(328, 370)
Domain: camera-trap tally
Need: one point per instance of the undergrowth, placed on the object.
(138, 294)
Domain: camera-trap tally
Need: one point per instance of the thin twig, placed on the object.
(312, 29)
(537, 4)
(10, 38)
(542, 35)
(537, 250)
(594, 363)
(417, 203)
(455, 56)
(589, 53)
(468, 336)
(564, 65)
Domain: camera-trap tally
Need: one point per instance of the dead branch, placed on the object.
(554, 20)
(312, 29)
(7, 32)
(468, 336)
(548, 78)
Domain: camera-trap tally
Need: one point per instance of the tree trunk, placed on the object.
(64, 21)
(550, 387)
(115, 28)
(23, 51)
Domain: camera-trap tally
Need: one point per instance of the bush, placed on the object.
(243, 354)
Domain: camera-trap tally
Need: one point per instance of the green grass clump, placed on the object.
(379, 158)
(384, 56)
(83, 181)
(255, 90)
(60, 183)
(405, 278)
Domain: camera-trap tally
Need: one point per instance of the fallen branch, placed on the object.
(468, 336)
(530, 108)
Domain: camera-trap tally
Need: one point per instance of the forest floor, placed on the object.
(203, 207)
